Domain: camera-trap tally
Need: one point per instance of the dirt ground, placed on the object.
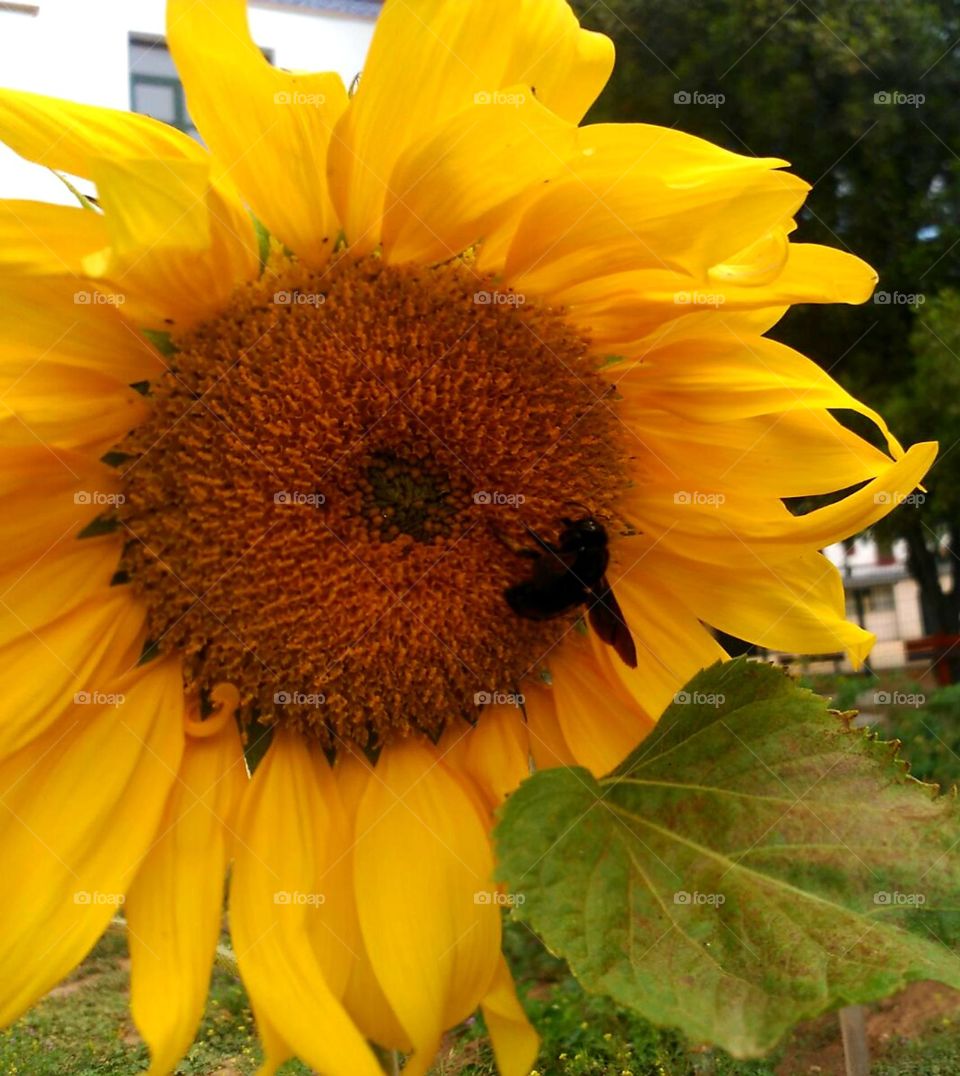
(817, 1049)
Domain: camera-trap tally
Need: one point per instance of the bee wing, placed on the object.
(607, 620)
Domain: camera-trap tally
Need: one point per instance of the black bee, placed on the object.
(570, 574)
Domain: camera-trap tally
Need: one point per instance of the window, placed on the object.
(155, 87)
(879, 599)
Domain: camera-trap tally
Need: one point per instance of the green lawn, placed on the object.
(84, 1028)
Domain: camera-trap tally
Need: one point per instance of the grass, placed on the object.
(84, 1028)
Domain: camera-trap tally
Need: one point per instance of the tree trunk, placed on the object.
(938, 609)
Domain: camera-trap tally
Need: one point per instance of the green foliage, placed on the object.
(753, 863)
(931, 736)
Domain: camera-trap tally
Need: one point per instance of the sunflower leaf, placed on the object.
(755, 862)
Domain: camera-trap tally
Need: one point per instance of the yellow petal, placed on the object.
(175, 904)
(617, 209)
(59, 320)
(67, 136)
(445, 191)
(714, 528)
(497, 752)
(70, 573)
(276, 1051)
(672, 644)
(796, 606)
(421, 843)
(459, 51)
(548, 748)
(65, 406)
(566, 66)
(792, 454)
(177, 247)
(61, 666)
(277, 892)
(268, 128)
(70, 858)
(37, 239)
(515, 1043)
(364, 998)
(813, 274)
(727, 375)
(874, 501)
(599, 719)
(628, 312)
(48, 496)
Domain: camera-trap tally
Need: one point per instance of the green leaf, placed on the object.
(753, 863)
(161, 340)
(263, 242)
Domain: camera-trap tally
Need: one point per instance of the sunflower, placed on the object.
(281, 416)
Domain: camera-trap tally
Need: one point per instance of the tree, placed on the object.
(861, 98)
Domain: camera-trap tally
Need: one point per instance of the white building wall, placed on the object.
(79, 49)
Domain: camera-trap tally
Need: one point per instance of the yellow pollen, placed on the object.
(325, 505)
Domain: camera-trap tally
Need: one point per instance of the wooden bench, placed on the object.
(941, 650)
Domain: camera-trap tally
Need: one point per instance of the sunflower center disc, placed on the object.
(325, 504)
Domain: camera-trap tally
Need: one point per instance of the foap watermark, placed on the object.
(95, 897)
(899, 298)
(897, 97)
(299, 298)
(295, 497)
(695, 497)
(98, 298)
(690, 899)
(98, 497)
(298, 698)
(896, 498)
(497, 698)
(896, 899)
(298, 899)
(99, 698)
(899, 698)
(297, 97)
(499, 298)
(498, 497)
(696, 97)
(514, 99)
(699, 298)
(502, 900)
(699, 698)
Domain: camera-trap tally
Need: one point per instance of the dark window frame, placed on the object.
(182, 120)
